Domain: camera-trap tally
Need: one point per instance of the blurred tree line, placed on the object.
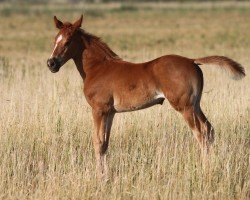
(102, 1)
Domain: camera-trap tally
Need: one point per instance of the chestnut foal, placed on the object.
(112, 85)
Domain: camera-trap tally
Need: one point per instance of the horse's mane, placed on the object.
(99, 44)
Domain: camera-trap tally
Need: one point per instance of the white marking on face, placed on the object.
(57, 41)
(53, 51)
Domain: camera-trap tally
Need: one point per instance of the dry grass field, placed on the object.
(45, 123)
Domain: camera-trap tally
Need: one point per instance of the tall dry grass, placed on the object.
(46, 126)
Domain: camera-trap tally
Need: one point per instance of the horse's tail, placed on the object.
(233, 68)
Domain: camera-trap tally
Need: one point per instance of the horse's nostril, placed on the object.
(51, 63)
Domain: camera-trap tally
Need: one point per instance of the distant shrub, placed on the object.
(6, 12)
(4, 66)
(125, 8)
(94, 13)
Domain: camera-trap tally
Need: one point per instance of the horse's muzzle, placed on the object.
(53, 64)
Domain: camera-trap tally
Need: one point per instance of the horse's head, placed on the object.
(66, 43)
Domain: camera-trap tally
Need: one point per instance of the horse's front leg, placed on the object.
(102, 122)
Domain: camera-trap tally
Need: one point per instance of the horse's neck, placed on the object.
(87, 60)
(94, 53)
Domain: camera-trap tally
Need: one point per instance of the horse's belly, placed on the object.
(133, 102)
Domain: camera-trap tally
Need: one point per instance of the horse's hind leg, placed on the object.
(200, 126)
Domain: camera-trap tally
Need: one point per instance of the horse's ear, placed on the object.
(58, 23)
(78, 23)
